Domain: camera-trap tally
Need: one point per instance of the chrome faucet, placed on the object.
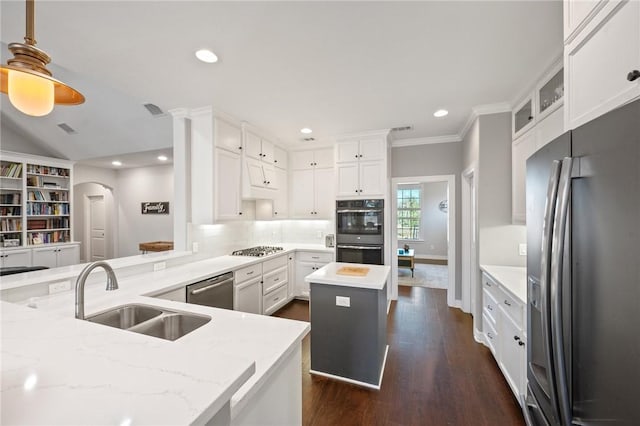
(112, 284)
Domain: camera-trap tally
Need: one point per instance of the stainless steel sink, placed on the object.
(171, 326)
(126, 316)
(151, 320)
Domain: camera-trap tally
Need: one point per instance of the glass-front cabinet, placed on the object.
(550, 93)
(523, 117)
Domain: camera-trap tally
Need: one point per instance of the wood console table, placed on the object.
(406, 258)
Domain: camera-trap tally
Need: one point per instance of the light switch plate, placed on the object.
(159, 266)
(343, 301)
(522, 249)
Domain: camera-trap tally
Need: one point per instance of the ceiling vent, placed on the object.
(308, 139)
(401, 129)
(70, 130)
(154, 109)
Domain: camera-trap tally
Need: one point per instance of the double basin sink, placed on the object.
(151, 320)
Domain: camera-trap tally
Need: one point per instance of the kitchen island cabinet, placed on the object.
(349, 323)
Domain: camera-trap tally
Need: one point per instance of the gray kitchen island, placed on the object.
(349, 322)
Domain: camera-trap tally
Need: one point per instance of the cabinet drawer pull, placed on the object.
(250, 272)
(276, 299)
(506, 302)
(633, 75)
(276, 278)
(487, 283)
(489, 335)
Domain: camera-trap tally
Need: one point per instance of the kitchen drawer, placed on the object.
(241, 275)
(492, 287)
(512, 307)
(275, 263)
(490, 305)
(274, 300)
(312, 256)
(490, 333)
(274, 279)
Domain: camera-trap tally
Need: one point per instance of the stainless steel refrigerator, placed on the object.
(583, 267)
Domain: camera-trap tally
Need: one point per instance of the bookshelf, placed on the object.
(35, 201)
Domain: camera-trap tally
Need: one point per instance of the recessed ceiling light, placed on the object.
(116, 163)
(205, 55)
(440, 113)
(162, 157)
(306, 130)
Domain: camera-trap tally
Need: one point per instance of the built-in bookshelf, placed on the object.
(35, 201)
(11, 209)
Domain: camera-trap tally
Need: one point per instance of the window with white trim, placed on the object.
(409, 212)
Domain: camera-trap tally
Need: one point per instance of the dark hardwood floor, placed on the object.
(436, 374)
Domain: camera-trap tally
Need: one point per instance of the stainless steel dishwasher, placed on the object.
(216, 292)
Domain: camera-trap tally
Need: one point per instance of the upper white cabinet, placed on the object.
(227, 185)
(227, 135)
(279, 157)
(258, 148)
(312, 187)
(537, 120)
(361, 167)
(601, 57)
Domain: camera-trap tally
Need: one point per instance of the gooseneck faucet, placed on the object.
(112, 284)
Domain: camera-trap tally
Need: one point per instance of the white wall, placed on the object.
(14, 140)
(86, 174)
(433, 223)
(139, 185)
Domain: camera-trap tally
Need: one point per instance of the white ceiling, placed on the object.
(336, 67)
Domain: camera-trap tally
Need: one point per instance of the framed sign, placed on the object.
(155, 207)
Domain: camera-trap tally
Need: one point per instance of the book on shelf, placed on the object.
(11, 242)
(12, 170)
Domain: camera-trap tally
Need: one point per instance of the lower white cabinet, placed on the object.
(56, 256)
(291, 284)
(10, 258)
(247, 296)
(308, 262)
(504, 330)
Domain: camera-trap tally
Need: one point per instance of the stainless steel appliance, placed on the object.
(215, 291)
(360, 231)
(583, 310)
(258, 251)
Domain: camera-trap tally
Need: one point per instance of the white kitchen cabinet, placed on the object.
(258, 148)
(312, 193)
(521, 149)
(261, 175)
(227, 185)
(523, 117)
(291, 285)
(599, 62)
(308, 262)
(227, 135)
(577, 13)
(54, 257)
(504, 332)
(361, 169)
(10, 258)
(310, 159)
(279, 157)
(247, 296)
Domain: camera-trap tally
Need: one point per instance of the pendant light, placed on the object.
(28, 82)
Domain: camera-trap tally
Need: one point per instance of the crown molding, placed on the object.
(479, 110)
(382, 132)
(425, 141)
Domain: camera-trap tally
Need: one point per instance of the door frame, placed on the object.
(469, 264)
(451, 231)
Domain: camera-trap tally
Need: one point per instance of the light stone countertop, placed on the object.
(512, 278)
(113, 375)
(375, 279)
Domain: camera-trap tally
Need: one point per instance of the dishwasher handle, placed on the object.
(209, 287)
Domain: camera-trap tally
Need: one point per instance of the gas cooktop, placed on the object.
(257, 251)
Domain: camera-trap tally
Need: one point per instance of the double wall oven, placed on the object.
(360, 231)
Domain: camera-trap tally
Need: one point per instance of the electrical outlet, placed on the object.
(319, 234)
(159, 266)
(194, 247)
(59, 287)
(343, 301)
(522, 249)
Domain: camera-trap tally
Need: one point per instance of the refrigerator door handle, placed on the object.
(545, 259)
(557, 257)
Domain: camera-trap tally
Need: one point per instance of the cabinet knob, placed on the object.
(360, 155)
(520, 343)
(489, 307)
(633, 75)
(275, 161)
(240, 148)
(516, 338)
(240, 213)
(356, 155)
(506, 302)
(275, 212)
(489, 335)
(356, 190)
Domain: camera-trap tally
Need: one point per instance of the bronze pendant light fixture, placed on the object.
(28, 82)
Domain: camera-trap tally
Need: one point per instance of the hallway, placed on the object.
(436, 374)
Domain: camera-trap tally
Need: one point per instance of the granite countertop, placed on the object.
(512, 278)
(116, 376)
(375, 279)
